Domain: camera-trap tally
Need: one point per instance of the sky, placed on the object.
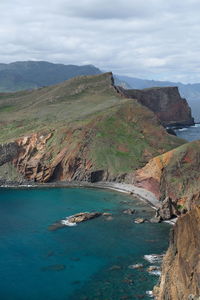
(153, 39)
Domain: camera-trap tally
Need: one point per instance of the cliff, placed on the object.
(82, 129)
(166, 103)
(180, 278)
(174, 178)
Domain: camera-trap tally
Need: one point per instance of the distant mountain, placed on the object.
(189, 91)
(34, 74)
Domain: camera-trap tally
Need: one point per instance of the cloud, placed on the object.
(153, 39)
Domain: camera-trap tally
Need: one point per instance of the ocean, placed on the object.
(89, 261)
(190, 133)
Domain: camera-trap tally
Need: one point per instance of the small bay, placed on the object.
(87, 261)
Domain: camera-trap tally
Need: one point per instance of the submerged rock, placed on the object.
(129, 211)
(136, 266)
(54, 268)
(109, 218)
(114, 268)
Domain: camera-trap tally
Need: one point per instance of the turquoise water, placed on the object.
(88, 261)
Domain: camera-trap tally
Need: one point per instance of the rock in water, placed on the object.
(83, 216)
(73, 220)
(136, 266)
(153, 268)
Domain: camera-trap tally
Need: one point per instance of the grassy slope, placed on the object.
(89, 117)
(50, 107)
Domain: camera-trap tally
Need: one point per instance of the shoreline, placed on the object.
(141, 194)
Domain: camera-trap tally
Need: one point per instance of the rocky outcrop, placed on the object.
(174, 178)
(166, 103)
(83, 216)
(74, 219)
(180, 278)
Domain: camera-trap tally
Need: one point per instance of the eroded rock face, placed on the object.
(166, 103)
(174, 179)
(180, 278)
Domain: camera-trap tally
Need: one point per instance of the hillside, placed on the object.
(34, 74)
(28, 75)
(81, 129)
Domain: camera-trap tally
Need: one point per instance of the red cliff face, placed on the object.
(174, 178)
(166, 103)
(180, 278)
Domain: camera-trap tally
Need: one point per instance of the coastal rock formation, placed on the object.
(83, 216)
(73, 220)
(174, 178)
(90, 132)
(166, 103)
(180, 278)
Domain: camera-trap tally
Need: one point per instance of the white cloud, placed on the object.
(149, 39)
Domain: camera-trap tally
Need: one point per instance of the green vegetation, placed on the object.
(91, 125)
(123, 144)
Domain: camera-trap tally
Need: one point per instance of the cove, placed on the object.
(87, 261)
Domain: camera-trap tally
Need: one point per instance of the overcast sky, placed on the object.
(154, 39)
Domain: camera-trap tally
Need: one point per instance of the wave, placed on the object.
(150, 294)
(67, 223)
(152, 258)
(183, 129)
(155, 272)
